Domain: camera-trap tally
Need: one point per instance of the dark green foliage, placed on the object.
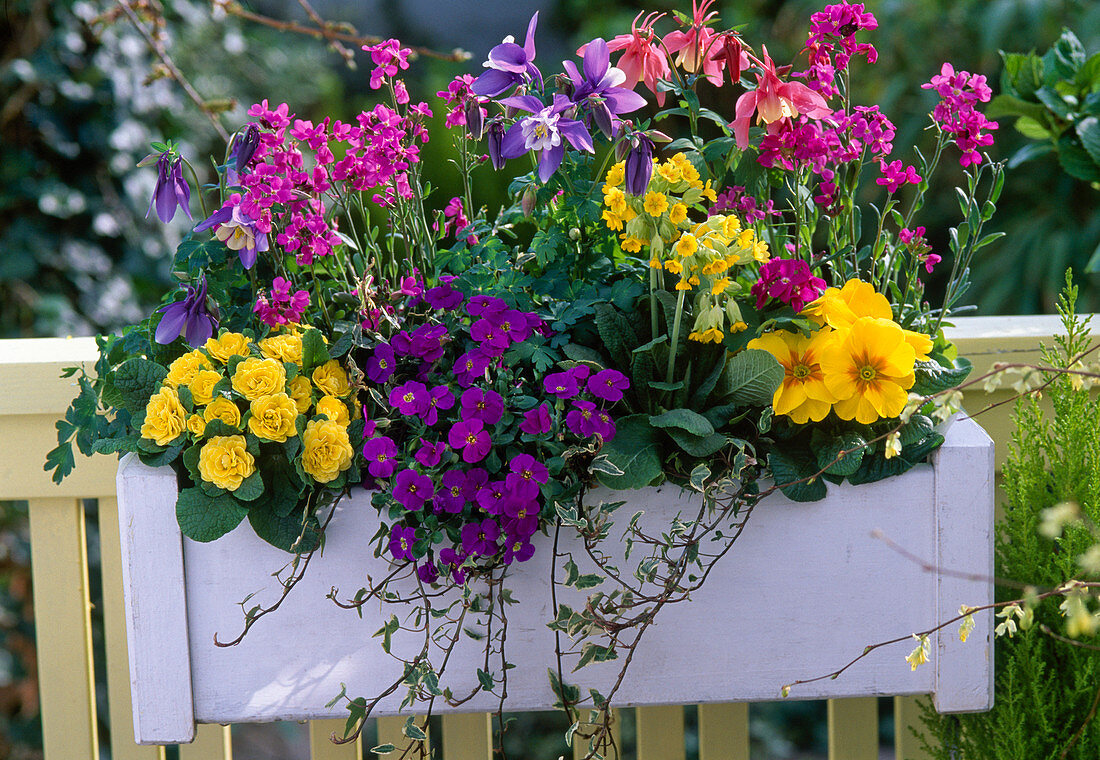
(1044, 688)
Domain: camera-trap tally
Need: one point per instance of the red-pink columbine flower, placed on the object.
(774, 99)
(642, 59)
(692, 47)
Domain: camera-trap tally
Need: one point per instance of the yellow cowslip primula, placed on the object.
(655, 204)
(286, 348)
(165, 417)
(331, 379)
(183, 369)
(670, 172)
(334, 409)
(302, 392)
(803, 395)
(633, 244)
(678, 213)
(326, 450)
(223, 409)
(273, 417)
(226, 345)
(869, 369)
(202, 386)
(255, 378)
(224, 461)
(616, 174)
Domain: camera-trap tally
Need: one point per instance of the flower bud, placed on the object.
(511, 112)
(574, 234)
(639, 165)
(601, 117)
(527, 201)
(495, 138)
(475, 118)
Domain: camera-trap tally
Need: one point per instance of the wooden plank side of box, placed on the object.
(804, 590)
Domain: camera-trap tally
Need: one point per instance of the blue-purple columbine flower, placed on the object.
(188, 317)
(639, 165)
(509, 65)
(241, 151)
(543, 132)
(596, 88)
(238, 231)
(171, 190)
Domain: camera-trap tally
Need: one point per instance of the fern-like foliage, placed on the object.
(1045, 688)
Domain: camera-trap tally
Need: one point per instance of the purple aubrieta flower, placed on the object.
(427, 573)
(237, 230)
(430, 452)
(603, 425)
(485, 306)
(454, 559)
(470, 366)
(171, 191)
(543, 132)
(410, 398)
(581, 419)
(523, 516)
(525, 476)
(452, 493)
(440, 398)
(490, 336)
(479, 404)
(518, 550)
(596, 87)
(380, 454)
(561, 384)
(470, 437)
(536, 421)
(509, 65)
(401, 542)
(401, 343)
(381, 364)
(188, 317)
(514, 323)
(480, 537)
(608, 384)
(443, 297)
(492, 497)
(427, 341)
(411, 489)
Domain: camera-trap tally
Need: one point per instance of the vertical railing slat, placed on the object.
(580, 744)
(391, 731)
(212, 742)
(853, 729)
(907, 719)
(660, 732)
(321, 746)
(724, 731)
(59, 567)
(468, 736)
(114, 631)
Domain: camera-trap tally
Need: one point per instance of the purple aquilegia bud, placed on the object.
(171, 190)
(475, 118)
(601, 116)
(188, 317)
(639, 165)
(495, 138)
(241, 151)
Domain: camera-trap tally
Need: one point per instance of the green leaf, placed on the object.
(1008, 105)
(205, 518)
(251, 488)
(594, 653)
(1076, 160)
(917, 429)
(634, 450)
(791, 466)
(828, 451)
(114, 445)
(695, 445)
(136, 380)
(931, 377)
(878, 467)
(314, 351)
(683, 419)
(160, 458)
(383, 749)
(616, 333)
(1088, 129)
(582, 353)
(1032, 129)
(1028, 152)
(751, 378)
(284, 532)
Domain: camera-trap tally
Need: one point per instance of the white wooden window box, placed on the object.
(802, 592)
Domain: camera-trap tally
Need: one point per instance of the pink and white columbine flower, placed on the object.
(692, 47)
(774, 99)
(642, 59)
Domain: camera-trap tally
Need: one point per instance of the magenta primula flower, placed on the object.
(411, 489)
(509, 65)
(789, 281)
(545, 132)
(471, 438)
(380, 453)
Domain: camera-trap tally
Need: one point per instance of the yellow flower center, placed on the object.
(867, 373)
(800, 371)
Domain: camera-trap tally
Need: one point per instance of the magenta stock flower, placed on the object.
(895, 174)
(282, 306)
(388, 57)
(789, 281)
(956, 113)
(411, 489)
(380, 454)
(471, 438)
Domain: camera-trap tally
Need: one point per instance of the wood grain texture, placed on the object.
(853, 729)
(660, 732)
(123, 746)
(59, 567)
(832, 588)
(156, 609)
(724, 731)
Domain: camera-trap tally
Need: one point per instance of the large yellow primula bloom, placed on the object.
(840, 307)
(869, 369)
(803, 395)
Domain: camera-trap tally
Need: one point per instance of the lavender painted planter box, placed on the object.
(805, 588)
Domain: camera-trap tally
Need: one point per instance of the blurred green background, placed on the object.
(83, 96)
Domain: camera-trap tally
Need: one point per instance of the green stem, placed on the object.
(198, 187)
(675, 335)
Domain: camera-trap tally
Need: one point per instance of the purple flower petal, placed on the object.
(514, 144)
(493, 82)
(508, 56)
(597, 60)
(549, 161)
(523, 102)
(576, 134)
(529, 41)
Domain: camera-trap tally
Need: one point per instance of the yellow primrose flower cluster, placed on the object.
(655, 218)
(859, 363)
(264, 395)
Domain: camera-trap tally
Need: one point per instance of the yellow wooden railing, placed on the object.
(32, 397)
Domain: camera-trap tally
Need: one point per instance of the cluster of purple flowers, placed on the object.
(956, 113)
(789, 281)
(832, 44)
(282, 306)
(734, 198)
(915, 242)
(434, 456)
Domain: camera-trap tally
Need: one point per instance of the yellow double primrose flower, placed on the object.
(859, 363)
